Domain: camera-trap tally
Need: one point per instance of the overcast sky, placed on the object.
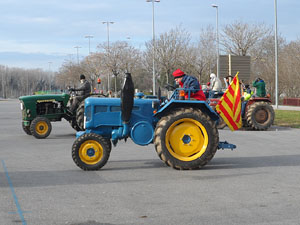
(36, 32)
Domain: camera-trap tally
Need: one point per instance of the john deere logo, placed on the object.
(46, 100)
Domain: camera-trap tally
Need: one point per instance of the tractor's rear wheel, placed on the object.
(221, 124)
(40, 127)
(186, 139)
(91, 151)
(26, 129)
(260, 116)
(80, 116)
(74, 125)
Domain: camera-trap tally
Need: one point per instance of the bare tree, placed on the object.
(118, 59)
(238, 38)
(263, 61)
(68, 74)
(289, 70)
(206, 56)
(171, 51)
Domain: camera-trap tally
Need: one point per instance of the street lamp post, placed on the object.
(153, 40)
(2, 83)
(49, 66)
(77, 54)
(50, 84)
(107, 23)
(89, 37)
(276, 57)
(217, 38)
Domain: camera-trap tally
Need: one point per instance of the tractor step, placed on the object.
(224, 144)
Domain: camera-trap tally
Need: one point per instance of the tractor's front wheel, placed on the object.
(26, 129)
(260, 116)
(40, 127)
(186, 139)
(91, 151)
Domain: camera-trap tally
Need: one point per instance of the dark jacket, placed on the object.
(260, 88)
(84, 89)
(190, 82)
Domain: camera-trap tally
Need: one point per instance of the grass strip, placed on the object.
(287, 118)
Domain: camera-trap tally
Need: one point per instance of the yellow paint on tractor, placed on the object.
(192, 136)
(41, 128)
(90, 145)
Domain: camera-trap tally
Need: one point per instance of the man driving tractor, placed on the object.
(83, 91)
(189, 82)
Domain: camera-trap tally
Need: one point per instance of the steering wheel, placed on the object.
(170, 87)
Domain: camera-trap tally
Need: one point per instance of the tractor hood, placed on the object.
(45, 98)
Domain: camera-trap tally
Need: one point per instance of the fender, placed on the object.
(172, 104)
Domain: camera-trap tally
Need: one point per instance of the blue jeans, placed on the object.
(244, 103)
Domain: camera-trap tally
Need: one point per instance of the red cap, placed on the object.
(178, 73)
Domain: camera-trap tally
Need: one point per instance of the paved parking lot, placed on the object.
(258, 183)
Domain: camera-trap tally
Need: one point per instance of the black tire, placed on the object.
(91, 151)
(26, 129)
(74, 125)
(40, 127)
(221, 125)
(188, 126)
(80, 116)
(260, 115)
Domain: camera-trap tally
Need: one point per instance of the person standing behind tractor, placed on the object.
(260, 86)
(215, 84)
(247, 93)
(228, 80)
(83, 91)
(191, 83)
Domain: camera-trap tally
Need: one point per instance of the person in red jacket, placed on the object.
(190, 83)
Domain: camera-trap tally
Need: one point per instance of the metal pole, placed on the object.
(153, 59)
(217, 39)
(108, 50)
(50, 78)
(77, 47)
(108, 77)
(276, 57)
(115, 86)
(28, 84)
(89, 37)
(153, 39)
(49, 66)
(2, 82)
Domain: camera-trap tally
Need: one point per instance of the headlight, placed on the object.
(21, 104)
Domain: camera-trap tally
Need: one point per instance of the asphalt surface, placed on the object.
(258, 183)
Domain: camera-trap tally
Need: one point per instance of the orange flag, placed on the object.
(229, 106)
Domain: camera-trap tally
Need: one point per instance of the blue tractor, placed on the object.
(184, 132)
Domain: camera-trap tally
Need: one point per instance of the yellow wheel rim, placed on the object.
(186, 139)
(90, 152)
(41, 127)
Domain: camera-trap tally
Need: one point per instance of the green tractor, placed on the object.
(38, 111)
